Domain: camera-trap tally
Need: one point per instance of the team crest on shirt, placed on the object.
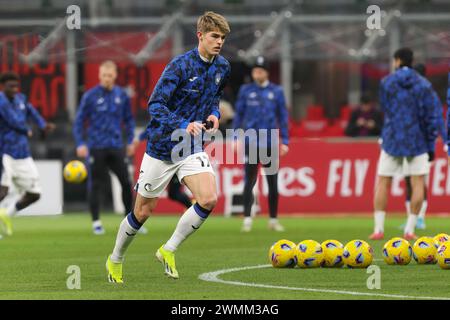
(270, 95)
(218, 77)
(100, 100)
(117, 100)
(22, 106)
(252, 95)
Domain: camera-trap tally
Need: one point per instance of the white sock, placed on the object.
(408, 207)
(379, 221)
(127, 232)
(189, 222)
(248, 221)
(410, 224)
(11, 210)
(96, 224)
(423, 209)
(273, 220)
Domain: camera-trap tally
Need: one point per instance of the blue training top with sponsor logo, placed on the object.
(14, 116)
(448, 113)
(104, 111)
(262, 107)
(189, 90)
(410, 114)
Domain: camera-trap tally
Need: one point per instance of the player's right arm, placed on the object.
(239, 109)
(383, 96)
(159, 100)
(448, 117)
(78, 127)
(8, 116)
(239, 114)
(430, 119)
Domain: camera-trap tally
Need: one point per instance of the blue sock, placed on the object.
(202, 212)
(132, 220)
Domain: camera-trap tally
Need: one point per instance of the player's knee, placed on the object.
(208, 201)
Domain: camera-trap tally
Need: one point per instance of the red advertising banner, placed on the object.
(118, 46)
(43, 83)
(320, 176)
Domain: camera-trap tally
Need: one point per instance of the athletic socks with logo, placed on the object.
(379, 217)
(189, 222)
(11, 210)
(423, 209)
(411, 223)
(127, 232)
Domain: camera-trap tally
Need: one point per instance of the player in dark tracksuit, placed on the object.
(104, 109)
(261, 105)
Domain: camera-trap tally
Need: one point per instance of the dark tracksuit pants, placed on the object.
(175, 193)
(251, 174)
(100, 162)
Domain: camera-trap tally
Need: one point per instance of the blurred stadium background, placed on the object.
(320, 51)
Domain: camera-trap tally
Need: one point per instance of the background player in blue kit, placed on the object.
(19, 168)
(261, 105)
(185, 98)
(448, 117)
(104, 109)
(409, 134)
(421, 69)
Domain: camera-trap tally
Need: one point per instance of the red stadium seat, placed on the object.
(315, 112)
(312, 128)
(334, 129)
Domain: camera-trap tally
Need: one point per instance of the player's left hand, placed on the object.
(215, 121)
(370, 124)
(49, 127)
(284, 149)
(131, 149)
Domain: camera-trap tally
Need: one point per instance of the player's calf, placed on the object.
(28, 199)
(3, 192)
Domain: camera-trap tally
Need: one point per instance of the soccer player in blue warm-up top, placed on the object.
(448, 118)
(18, 165)
(409, 134)
(421, 69)
(184, 99)
(104, 109)
(261, 105)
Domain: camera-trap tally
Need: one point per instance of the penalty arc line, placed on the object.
(214, 277)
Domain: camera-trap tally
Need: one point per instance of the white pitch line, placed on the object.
(214, 277)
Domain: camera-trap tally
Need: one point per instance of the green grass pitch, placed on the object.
(35, 259)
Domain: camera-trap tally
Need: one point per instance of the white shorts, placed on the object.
(155, 174)
(389, 166)
(22, 173)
